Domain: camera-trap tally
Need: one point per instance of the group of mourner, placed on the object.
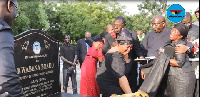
(118, 53)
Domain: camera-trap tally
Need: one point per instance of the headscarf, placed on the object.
(124, 38)
(183, 29)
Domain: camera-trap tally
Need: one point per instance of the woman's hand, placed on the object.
(173, 62)
(180, 49)
(123, 82)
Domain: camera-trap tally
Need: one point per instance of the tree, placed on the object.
(148, 9)
(32, 16)
(194, 18)
(75, 18)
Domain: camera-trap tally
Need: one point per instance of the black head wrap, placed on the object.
(183, 29)
(124, 38)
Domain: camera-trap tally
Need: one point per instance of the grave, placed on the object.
(37, 63)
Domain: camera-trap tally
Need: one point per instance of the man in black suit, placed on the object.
(9, 80)
(82, 47)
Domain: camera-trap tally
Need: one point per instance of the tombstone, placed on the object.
(37, 63)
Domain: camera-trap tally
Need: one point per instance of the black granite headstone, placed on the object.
(37, 64)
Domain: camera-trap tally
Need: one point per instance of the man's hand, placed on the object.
(4, 94)
(143, 75)
(180, 49)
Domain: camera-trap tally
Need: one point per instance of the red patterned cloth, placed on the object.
(88, 83)
(113, 35)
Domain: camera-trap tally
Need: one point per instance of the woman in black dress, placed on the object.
(181, 77)
(111, 76)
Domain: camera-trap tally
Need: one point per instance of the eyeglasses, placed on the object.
(117, 25)
(156, 24)
(16, 6)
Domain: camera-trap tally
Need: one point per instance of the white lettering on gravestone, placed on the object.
(47, 45)
(25, 45)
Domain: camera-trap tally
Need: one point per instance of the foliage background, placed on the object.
(78, 16)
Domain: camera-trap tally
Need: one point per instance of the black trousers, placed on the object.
(66, 75)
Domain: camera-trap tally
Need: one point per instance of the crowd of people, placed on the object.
(170, 74)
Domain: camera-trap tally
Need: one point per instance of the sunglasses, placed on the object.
(16, 6)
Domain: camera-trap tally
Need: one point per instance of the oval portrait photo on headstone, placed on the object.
(36, 47)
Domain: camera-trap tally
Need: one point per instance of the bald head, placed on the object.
(158, 23)
(159, 18)
(187, 20)
(87, 34)
(109, 28)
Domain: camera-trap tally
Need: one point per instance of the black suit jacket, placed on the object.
(81, 50)
(108, 42)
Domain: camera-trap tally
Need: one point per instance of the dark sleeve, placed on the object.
(78, 49)
(62, 51)
(136, 45)
(106, 45)
(145, 41)
(89, 41)
(180, 59)
(9, 80)
(189, 44)
(96, 38)
(118, 65)
(13, 87)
